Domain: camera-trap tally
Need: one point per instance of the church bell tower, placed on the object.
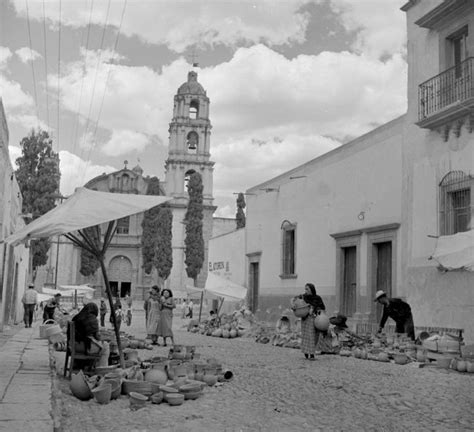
(189, 152)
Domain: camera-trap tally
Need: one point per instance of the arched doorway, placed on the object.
(120, 276)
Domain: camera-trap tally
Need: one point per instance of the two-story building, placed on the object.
(367, 215)
(14, 261)
(438, 158)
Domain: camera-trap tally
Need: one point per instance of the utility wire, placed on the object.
(46, 65)
(59, 70)
(31, 61)
(96, 73)
(105, 87)
(76, 125)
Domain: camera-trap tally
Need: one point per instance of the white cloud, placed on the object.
(247, 161)
(380, 25)
(180, 24)
(75, 172)
(26, 54)
(125, 141)
(5, 55)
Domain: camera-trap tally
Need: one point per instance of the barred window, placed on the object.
(455, 202)
(123, 225)
(288, 249)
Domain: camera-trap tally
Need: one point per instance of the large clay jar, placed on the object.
(462, 366)
(79, 386)
(470, 367)
(300, 308)
(103, 393)
(321, 322)
(210, 380)
(156, 375)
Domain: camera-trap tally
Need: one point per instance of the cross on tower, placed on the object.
(194, 57)
(125, 162)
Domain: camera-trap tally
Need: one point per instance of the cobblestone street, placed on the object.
(276, 389)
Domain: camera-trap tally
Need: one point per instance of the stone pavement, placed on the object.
(25, 381)
(276, 389)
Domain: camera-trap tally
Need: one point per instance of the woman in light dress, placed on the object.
(167, 306)
(153, 322)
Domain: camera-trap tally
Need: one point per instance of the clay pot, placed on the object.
(137, 401)
(301, 311)
(102, 393)
(470, 367)
(383, 357)
(400, 359)
(157, 398)
(462, 367)
(321, 322)
(79, 386)
(156, 375)
(210, 380)
(116, 388)
(174, 398)
(192, 395)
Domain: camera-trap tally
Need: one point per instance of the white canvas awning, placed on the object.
(79, 290)
(85, 208)
(455, 252)
(217, 286)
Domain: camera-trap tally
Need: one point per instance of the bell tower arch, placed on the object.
(189, 152)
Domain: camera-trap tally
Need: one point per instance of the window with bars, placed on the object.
(456, 202)
(288, 251)
(123, 225)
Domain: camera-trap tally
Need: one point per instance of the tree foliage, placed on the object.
(194, 241)
(240, 215)
(38, 178)
(89, 263)
(157, 236)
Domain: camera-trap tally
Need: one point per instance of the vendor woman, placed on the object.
(86, 329)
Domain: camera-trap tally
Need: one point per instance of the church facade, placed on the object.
(189, 152)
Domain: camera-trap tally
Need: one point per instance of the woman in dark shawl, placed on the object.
(309, 335)
(86, 330)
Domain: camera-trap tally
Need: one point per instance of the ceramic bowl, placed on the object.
(168, 389)
(174, 398)
(192, 395)
(157, 398)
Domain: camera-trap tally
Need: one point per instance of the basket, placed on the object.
(143, 387)
(44, 327)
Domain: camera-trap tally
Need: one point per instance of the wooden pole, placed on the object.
(111, 304)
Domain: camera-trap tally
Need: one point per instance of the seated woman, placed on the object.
(87, 336)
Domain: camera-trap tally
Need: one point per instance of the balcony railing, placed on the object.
(453, 86)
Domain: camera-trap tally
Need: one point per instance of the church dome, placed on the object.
(191, 86)
(138, 170)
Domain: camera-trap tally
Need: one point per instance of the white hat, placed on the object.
(379, 294)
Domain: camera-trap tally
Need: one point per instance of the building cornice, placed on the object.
(444, 12)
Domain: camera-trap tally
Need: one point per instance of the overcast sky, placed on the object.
(288, 80)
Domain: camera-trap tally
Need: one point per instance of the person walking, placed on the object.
(128, 306)
(399, 311)
(103, 312)
(50, 307)
(309, 335)
(184, 309)
(154, 315)
(29, 300)
(190, 309)
(146, 303)
(167, 306)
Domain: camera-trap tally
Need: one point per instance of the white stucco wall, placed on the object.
(362, 176)
(437, 298)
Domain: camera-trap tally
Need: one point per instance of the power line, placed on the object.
(96, 72)
(76, 125)
(59, 69)
(46, 64)
(105, 86)
(31, 61)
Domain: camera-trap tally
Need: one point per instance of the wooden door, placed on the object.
(254, 278)
(383, 272)
(349, 281)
